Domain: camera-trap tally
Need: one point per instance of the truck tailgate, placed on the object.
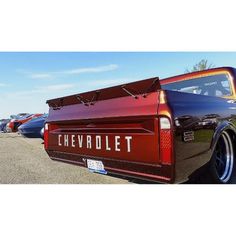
(120, 129)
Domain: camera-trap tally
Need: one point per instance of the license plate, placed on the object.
(96, 166)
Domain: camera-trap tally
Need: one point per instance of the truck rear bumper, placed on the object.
(134, 170)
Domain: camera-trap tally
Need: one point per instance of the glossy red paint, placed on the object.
(111, 126)
(137, 129)
(119, 129)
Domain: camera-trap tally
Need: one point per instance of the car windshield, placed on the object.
(214, 85)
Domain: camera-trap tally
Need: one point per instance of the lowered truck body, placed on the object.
(157, 130)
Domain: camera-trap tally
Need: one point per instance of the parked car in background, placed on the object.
(18, 116)
(8, 128)
(3, 124)
(33, 128)
(13, 125)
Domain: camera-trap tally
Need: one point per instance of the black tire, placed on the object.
(222, 162)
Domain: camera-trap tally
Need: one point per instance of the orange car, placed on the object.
(13, 125)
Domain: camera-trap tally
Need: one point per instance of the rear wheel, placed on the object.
(222, 162)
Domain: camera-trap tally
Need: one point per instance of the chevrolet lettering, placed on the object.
(97, 142)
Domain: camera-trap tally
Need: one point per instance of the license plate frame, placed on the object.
(96, 166)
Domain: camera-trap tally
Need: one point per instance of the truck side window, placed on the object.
(213, 85)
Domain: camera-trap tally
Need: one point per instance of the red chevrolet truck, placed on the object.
(170, 131)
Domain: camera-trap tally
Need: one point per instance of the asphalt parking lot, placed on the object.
(24, 161)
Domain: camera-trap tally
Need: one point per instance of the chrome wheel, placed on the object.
(224, 158)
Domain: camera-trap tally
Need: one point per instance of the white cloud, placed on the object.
(108, 82)
(48, 90)
(41, 76)
(76, 71)
(34, 100)
(97, 69)
(3, 85)
(57, 87)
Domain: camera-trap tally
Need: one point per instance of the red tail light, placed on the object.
(47, 129)
(46, 134)
(166, 142)
(165, 131)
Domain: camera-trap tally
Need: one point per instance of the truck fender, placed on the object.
(225, 125)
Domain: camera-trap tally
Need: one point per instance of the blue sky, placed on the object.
(28, 79)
